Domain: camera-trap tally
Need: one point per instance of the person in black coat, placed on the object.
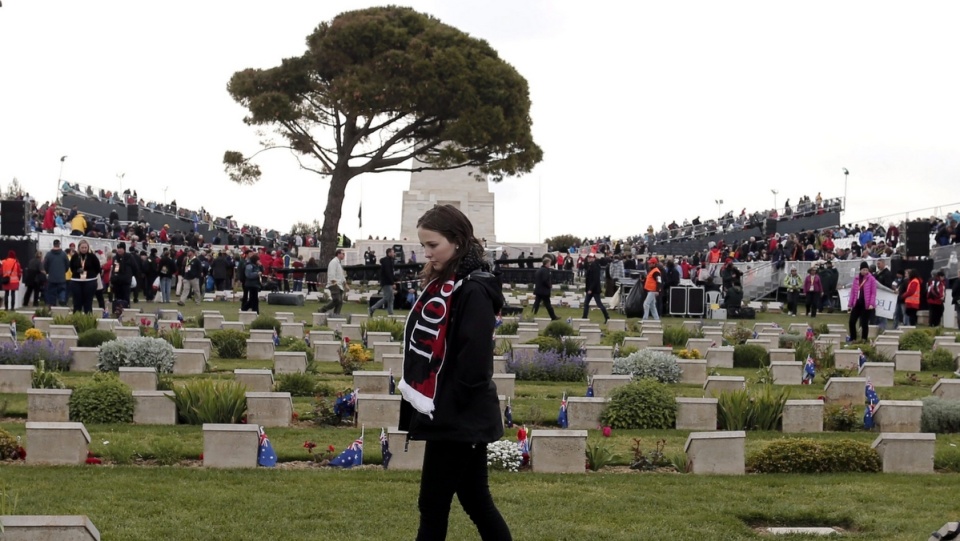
(121, 276)
(252, 274)
(387, 280)
(218, 268)
(543, 287)
(449, 397)
(33, 279)
(84, 271)
(592, 287)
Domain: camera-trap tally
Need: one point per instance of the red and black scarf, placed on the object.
(425, 344)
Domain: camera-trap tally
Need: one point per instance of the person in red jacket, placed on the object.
(911, 297)
(11, 275)
(936, 292)
(50, 218)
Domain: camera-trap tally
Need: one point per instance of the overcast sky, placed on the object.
(646, 111)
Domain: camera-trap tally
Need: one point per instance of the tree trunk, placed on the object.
(331, 215)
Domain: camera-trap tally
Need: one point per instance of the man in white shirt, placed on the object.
(336, 283)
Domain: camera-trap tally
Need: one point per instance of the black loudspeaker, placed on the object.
(696, 301)
(398, 256)
(133, 213)
(13, 218)
(285, 299)
(25, 250)
(918, 239)
(770, 226)
(924, 267)
(678, 301)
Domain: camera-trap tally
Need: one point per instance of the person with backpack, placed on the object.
(936, 293)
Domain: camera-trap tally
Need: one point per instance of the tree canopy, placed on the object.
(388, 89)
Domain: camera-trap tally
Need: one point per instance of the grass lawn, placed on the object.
(131, 501)
(148, 503)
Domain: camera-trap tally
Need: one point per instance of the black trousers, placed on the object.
(83, 293)
(251, 299)
(936, 314)
(35, 291)
(813, 302)
(586, 305)
(793, 297)
(457, 468)
(545, 299)
(912, 316)
(860, 313)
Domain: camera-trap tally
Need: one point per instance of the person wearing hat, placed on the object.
(828, 281)
(592, 287)
(793, 284)
(191, 278)
(123, 269)
(936, 293)
(652, 285)
(863, 301)
(10, 275)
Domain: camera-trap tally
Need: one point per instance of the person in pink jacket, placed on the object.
(812, 289)
(863, 301)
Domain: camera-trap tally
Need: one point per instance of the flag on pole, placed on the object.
(13, 334)
(306, 338)
(871, 392)
(345, 405)
(393, 384)
(562, 418)
(352, 455)
(868, 416)
(276, 338)
(590, 388)
(809, 371)
(863, 357)
(266, 457)
(809, 334)
(523, 443)
(508, 414)
(385, 448)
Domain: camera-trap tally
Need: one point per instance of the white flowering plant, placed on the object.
(504, 455)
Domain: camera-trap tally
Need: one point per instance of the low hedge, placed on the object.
(805, 455)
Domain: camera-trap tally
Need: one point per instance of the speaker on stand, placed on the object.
(918, 239)
(133, 213)
(13, 218)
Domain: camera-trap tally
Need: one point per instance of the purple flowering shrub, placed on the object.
(546, 365)
(56, 357)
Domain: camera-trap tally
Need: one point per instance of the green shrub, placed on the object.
(508, 328)
(546, 343)
(301, 346)
(647, 363)
(804, 455)
(675, 336)
(384, 324)
(749, 356)
(939, 360)
(208, 401)
(643, 404)
(94, 338)
(106, 399)
(23, 322)
(739, 410)
(822, 353)
(841, 418)
(296, 384)
(627, 351)
(947, 459)
(791, 341)
(8, 446)
(599, 456)
(614, 338)
(80, 321)
(916, 340)
(143, 352)
(324, 389)
(737, 335)
(229, 344)
(265, 322)
(287, 341)
(940, 416)
(46, 379)
(558, 328)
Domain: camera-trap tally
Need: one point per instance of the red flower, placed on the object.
(330, 448)
(309, 446)
(92, 459)
(201, 456)
(346, 339)
(21, 454)
(296, 416)
(606, 431)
